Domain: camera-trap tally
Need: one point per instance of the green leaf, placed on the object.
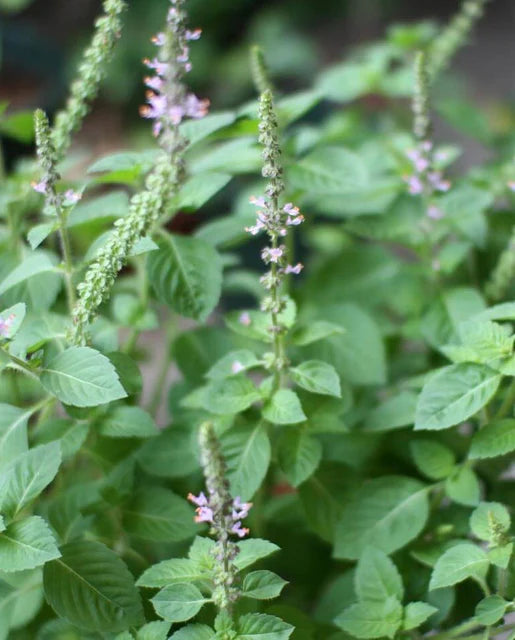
(157, 514)
(260, 626)
(153, 631)
(328, 170)
(372, 619)
(454, 394)
(394, 413)
(172, 571)
(229, 395)
(385, 513)
(490, 610)
(20, 125)
(82, 377)
(247, 451)
(434, 460)
(171, 454)
(299, 455)
(457, 564)
(377, 577)
(284, 408)
(12, 318)
(105, 207)
(186, 274)
(487, 514)
(178, 602)
(31, 266)
(125, 167)
(194, 632)
(318, 377)
(416, 613)
(463, 486)
(27, 475)
(495, 439)
(91, 587)
(21, 598)
(13, 432)
(26, 544)
(128, 422)
(198, 190)
(233, 363)
(262, 585)
(314, 331)
(252, 550)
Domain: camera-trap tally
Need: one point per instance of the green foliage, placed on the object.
(144, 357)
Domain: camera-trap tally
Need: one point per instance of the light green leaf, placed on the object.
(91, 587)
(247, 451)
(82, 377)
(233, 363)
(178, 602)
(105, 207)
(299, 455)
(153, 631)
(26, 544)
(262, 585)
(198, 190)
(170, 572)
(318, 377)
(31, 266)
(434, 460)
(260, 626)
(284, 408)
(487, 514)
(459, 563)
(193, 632)
(128, 422)
(186, 274)
(172, 454)
(314, 331)
(13, 432)
(27, 475)
(385, 513)
(416, 613)
(377, 577)
(251, 550)
(454, 394)
(328, 170)
(495, 439)
(157, 514)
(491, 609)
(394, 413)
(229, 395)
(372, 619)
(463, 486)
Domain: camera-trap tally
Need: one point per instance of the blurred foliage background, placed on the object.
(41, 39)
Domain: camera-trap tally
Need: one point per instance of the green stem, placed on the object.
(20, 365)
(456, 631)
(507, 403)
(157, 396)
(67, 258)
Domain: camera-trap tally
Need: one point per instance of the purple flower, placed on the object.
(72, 197)
(270, 254)
(415, 185)
(154, 82)
(159, 39)
(295, 221)
(257, 202)
(511, 185)
(434, 212)
(296, 269)
(240, 531)
(237, 367)
(200, 500)
(159, 67)
(6, 325)
(245, 319)
(240, 509)
(193, 35)
(40, 187)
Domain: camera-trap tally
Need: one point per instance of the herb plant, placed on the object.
(338, 436)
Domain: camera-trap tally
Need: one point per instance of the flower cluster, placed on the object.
(454, 35)
(91, 72)
(169, 102)
(167, 108)
(272, 218)
(238, 511)
(425, 180)
(223, 513)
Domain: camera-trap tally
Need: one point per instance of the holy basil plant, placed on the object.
(197, 448)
